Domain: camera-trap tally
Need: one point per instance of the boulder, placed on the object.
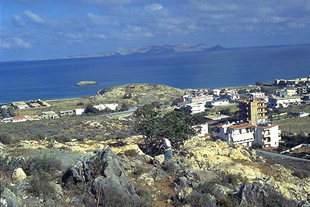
(182, 182)
(109, 182)
(260, 196)
(18, 174)
(159, 159)
(9, 199)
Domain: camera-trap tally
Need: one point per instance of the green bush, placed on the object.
(40, 185)
(43, 163)
(6, 138)
(234, 179)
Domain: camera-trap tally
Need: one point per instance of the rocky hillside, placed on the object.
(139, 94)
(203, 173)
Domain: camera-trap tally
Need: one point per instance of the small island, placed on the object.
(86, 83)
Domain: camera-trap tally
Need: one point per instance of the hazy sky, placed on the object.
(33, 29)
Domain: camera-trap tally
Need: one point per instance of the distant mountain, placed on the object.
(155, 50)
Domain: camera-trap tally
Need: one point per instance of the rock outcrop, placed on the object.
(108, 180)
(245, 164)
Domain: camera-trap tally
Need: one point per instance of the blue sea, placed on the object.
(52, 79)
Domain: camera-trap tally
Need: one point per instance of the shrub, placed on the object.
(40, 185)
(200, 199)
(62, 138)
(234, 179)
(225, 202)
(43, 163)
(6, 138)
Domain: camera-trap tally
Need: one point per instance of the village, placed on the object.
(251, 127)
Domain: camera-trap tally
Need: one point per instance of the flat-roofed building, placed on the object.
(49, 115)
(236, 133)
(268, 135)
(20, 105)
(277, 102)
(66, 113)
(253, 111)
(247, 134)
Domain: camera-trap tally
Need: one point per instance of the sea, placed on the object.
(55, 79)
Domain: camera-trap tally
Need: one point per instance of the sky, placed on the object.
(43, 29)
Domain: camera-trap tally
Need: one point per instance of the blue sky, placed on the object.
(39, 29)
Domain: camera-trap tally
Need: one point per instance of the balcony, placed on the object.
(242, 137)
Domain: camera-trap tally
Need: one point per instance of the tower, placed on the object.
(253, 111)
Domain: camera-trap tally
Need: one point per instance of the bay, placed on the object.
(53, 79)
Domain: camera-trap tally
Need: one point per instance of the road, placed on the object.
(121, 113)
(272, 154)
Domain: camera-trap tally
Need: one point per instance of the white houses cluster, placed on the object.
(247, 134)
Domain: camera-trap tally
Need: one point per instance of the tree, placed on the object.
(90, 109)
(152, 124)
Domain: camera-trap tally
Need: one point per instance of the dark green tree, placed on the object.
(152, 124)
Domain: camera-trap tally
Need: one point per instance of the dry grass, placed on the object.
(298, 125)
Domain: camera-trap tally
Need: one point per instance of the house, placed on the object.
(78, 111)
(218, 102)
(291, 91)
(101, 107)
(16, 119)
(197, 107)
(197, 99)
(49, 115)
(302, 90)
(216, 92)
(66, 113)
(20, 105)
(237, 134)
(303, 114)
(247, 134)
(6, 120)
(306, 99)
(277, 102)
(204, 129)
(267, 135)
(35, 105)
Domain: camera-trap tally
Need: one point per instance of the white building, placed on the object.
(197, 107)
(204, 129)
(216, 92)
(277, 102)
(247, 134)
(268, 135)
(79, 111)
(237, 134)
(6, 120)
(219, 102)
(101, 107)
(20, 105)
(49, 115)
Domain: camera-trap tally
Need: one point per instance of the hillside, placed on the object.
(138, 94)
(203, 173)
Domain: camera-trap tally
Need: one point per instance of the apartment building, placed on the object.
(253, 111)
(247, 134)
(277, 102)
(236, 133)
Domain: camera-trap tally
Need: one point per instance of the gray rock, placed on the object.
(9, 199)
(261, 196)
(109, 182)
(182, 182)
(136, 164)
